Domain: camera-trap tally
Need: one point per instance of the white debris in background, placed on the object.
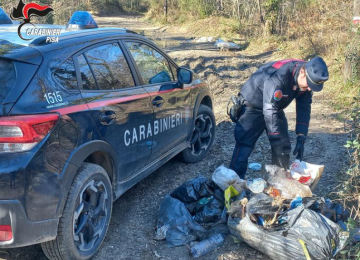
(205, 39)
(226, 45)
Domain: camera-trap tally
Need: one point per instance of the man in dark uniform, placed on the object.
(264, 96)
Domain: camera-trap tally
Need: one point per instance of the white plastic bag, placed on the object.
(227, 45)
(306, 173)
(205, 39)
(225, 177)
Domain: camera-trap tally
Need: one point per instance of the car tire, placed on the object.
(85, 218)
(202, 137)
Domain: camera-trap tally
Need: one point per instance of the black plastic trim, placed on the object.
(24, 231)
(74, 162)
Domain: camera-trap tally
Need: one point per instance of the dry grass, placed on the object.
(318, 28)
(218, 27)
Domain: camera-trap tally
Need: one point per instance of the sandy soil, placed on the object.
(134, 217)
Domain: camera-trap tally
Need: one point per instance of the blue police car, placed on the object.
(85, 116)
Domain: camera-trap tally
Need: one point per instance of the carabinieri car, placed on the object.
(82, 120)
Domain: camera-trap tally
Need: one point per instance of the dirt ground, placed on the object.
(134, 216)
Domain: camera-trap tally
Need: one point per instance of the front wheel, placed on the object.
(86, 216)
(202, 137)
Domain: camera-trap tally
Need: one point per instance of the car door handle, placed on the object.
(107, 117)
(158, 101)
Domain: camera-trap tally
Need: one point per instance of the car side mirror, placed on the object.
(184, 76)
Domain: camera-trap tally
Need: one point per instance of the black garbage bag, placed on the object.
(208, 210)
(181, 228)
(306, 235)
(196, 189)
(261, 204)
(176, 221)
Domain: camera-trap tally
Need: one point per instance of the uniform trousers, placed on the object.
(248, 129)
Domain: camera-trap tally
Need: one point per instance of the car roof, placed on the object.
(66, 35)
(8, 32)
(13, 47)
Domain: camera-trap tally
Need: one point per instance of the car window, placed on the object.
(110, 67)
(87, 78)
(153, 67)
(7, 78)
(173, 69)
(65, 75)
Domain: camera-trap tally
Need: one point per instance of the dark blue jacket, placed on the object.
(272, 88)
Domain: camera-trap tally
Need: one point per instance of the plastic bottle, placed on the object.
(207, 245)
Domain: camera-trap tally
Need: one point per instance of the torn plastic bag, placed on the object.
(175, 221)
(265, 211)
(290, 189)
(261, 204)
(272, 244)
(306, 235)
(225, 177)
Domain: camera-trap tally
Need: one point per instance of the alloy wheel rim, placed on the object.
(90, 215)
(202, 134)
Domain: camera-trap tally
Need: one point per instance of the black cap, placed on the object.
(316, 73)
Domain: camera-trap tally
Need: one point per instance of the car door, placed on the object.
(120, 107)
(170, 102)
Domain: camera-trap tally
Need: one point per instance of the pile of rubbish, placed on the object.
(279, 216)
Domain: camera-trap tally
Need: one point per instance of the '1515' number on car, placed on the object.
(53, 97)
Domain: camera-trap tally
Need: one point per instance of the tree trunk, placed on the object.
(352, 55)
(271, 9)
(262, 21)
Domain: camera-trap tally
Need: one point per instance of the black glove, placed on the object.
(280, 158)
(299, 148)
(284, 160)
(235, 110)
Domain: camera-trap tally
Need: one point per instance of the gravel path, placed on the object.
(134, 215)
